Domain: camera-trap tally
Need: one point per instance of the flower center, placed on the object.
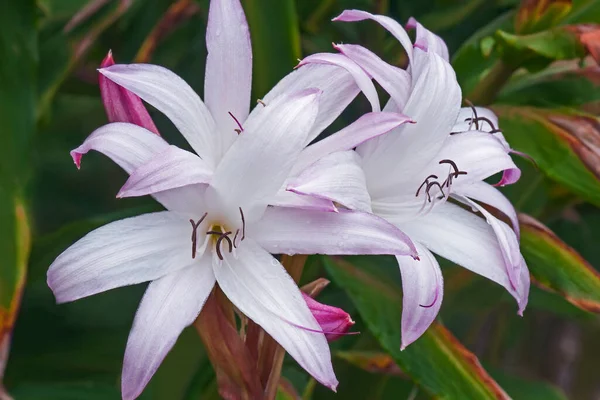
(432, 182)
(218, 234)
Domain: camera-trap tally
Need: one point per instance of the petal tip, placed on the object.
(108, 60)
(76, 156)
(412, 23)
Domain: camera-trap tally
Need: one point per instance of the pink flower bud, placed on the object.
(120, 104)
(334, 321)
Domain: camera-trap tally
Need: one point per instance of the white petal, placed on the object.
(295, 231)
(338, 86)
(261, 288)
(362, 79)
(124, 252)
(170, 304)
(257, 164)
(388, 23)
(228, 79)
(283, 198)
(176, 99)
(469, 241)
(173, 168)
(393, 80)
(428, 39)
(422, 293)
(486, 193)
(368, 126)
(337, 177)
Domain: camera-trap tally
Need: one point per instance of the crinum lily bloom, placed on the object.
(218, 227)
(412, 172)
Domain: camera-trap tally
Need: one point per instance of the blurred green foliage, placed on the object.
(49, 102)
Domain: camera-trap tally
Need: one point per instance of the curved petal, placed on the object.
(170, 304)
(486, 193)
(176, 99)
(337, 177)
(257, 164)
(295, 231)
(261, 288)
(388, 23)
(468, 240)
(428, 39)
(338, 86)
(362, 79)
(228, 79)
(393, 80)
(173, 168)
(124, 252)
(422, 293)
(283, 198)
(368, 126)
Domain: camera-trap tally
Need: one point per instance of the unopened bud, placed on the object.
(334, 321)
(120, 104)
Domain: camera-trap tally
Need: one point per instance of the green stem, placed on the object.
(487, 90)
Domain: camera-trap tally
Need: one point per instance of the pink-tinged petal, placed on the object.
(120, 104)
(173, 97)
(422, 293)
(283, 198)
(295, 231)
(124, 252)
(434, 104)
(126, 144)
(257, 164)
(368, 126)
(258, 285)
(338, 86)
(334, 321)
(131, 146)
(486, 193)
(509, 244)
(388, 23)
(468, 240)
(362, 79)
(337, 177)
(393, 80)
(228, 79)
(431, 41)
(170, 304)
(509, 176)
(171, 169)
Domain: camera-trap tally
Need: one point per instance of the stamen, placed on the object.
(430, 185)
(194, 236)
(484, 119)
(456, 172)
(237, 122)
(425, 182)
(235, 237)
(474, 113)
(243, 224)
(262, 103)
(222, 235)
(437, 293)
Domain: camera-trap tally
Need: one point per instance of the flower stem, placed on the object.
(489, 87)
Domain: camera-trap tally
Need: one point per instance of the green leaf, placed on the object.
(437, 361)
(563, 145)
(519, 388)
(538, 15)
(275, 33)
(557, 267)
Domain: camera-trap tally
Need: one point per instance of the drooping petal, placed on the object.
(124, 252)
(120, 104)
(422, 293)
(170, 304)
(428, 39)
(171, 169)
(283, 198)
(295, 231)
(173, 97)
(468, 240)
(393, 80)
(259, 286)
(486, 193)
(131, 146)
(228, 79)
(388, 23)
(368, 126)
(338, 86)
(362, 79)
(337, 177)
(260, 160)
